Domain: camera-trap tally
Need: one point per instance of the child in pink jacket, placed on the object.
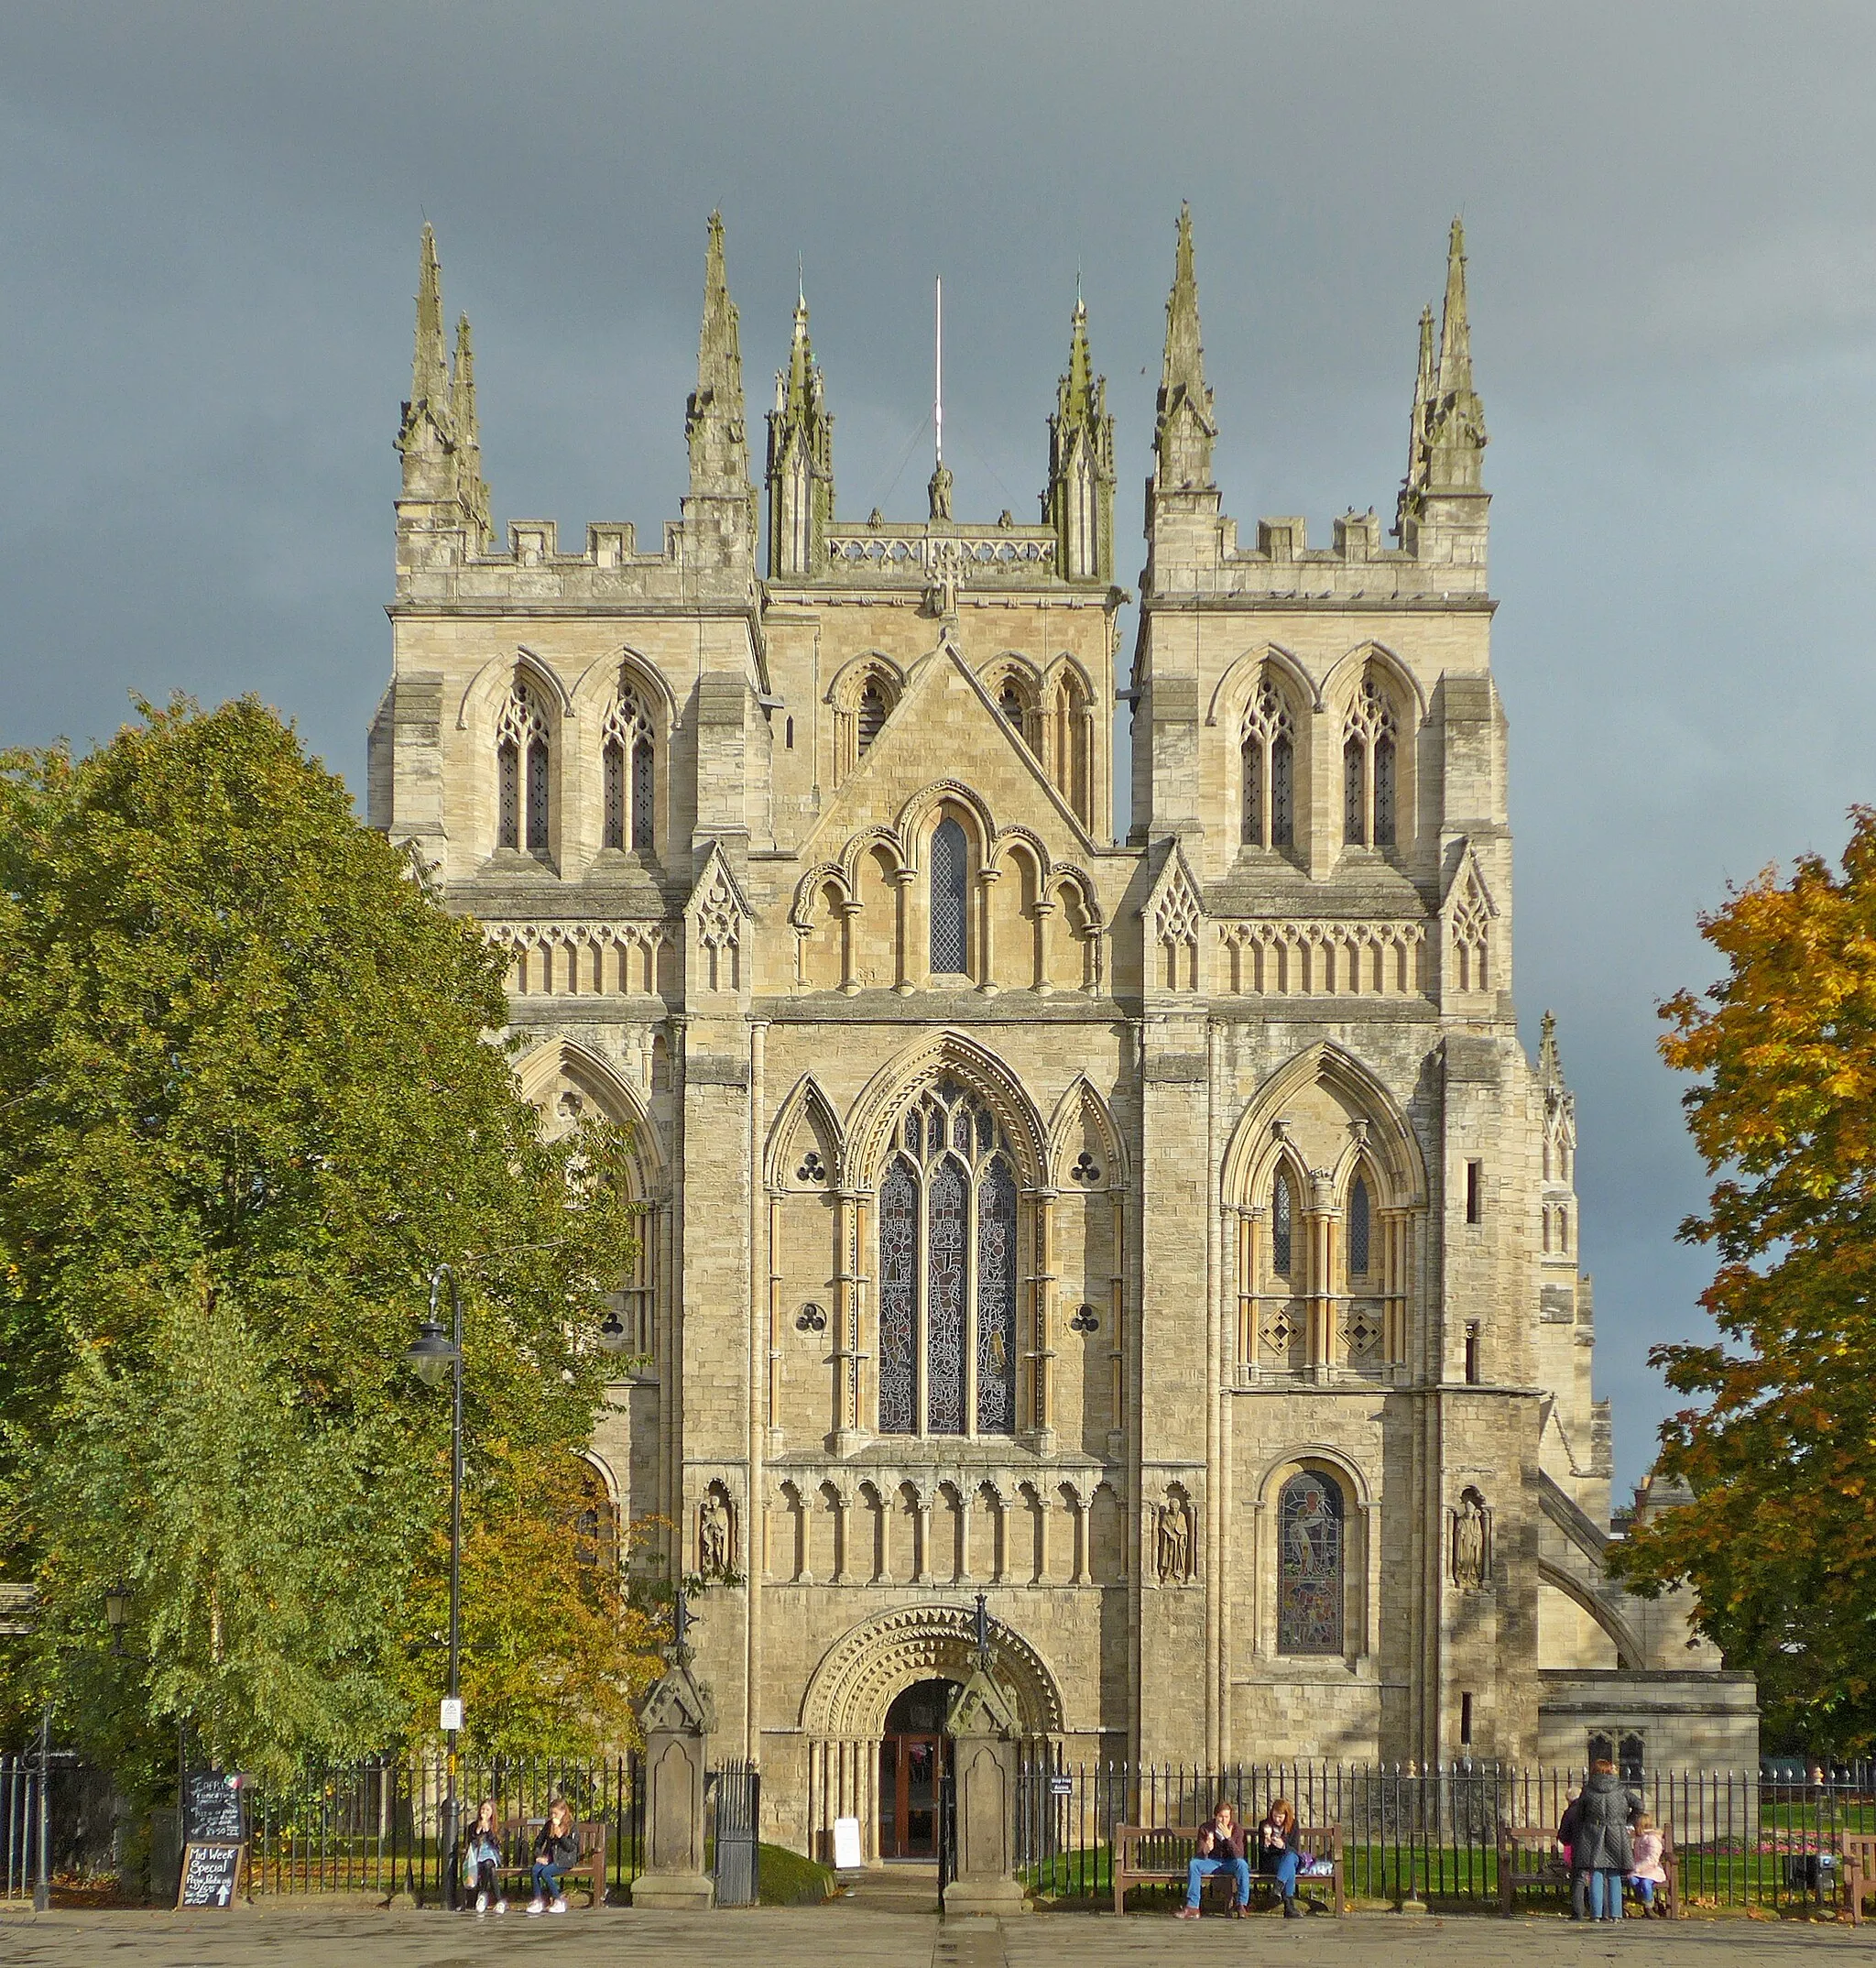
(1647, 1872)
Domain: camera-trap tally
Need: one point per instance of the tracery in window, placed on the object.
(949, 859)
(1358, 1229)
(1369, 751)
(947, 1271)
(521, 772)
(629, 785)
(1269, 756)
(1310, 1514)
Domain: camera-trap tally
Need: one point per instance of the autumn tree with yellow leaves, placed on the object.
(1778, 1544)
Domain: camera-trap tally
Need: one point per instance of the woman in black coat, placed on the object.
(1600, 1850)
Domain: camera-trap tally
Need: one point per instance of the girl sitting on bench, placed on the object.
(1220, 1845)
(1279, 1853)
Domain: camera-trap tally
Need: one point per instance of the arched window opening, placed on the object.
(1268, 771)
(1358, 1229)
(593, 1520)
(521, 772)
(948, 1272)
(871, 717)
(1369, 755)
(1010, 703)
(629, 776)
(949, 868)
(1281, 1226)
(1310, 1514)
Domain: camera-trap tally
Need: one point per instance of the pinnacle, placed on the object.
(428, 378)
(1183, 432)
(1456, 336)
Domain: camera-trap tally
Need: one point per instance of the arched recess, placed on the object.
(563, 1082)
(490, 684)
(1088, 1170)
(1318, 1119)
(863, 694)
(1232, 691)
(856, 1680)
(1344, 678)
(884, 1097)
(598, 682)
(805, 1117)
(1079, 1111)
(1621, 1636)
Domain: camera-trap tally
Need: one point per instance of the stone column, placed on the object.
(983, 1727)
(679, 1715)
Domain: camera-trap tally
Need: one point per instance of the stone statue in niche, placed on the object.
(1175, 1541)
(1470, 1523)
(716, 1535)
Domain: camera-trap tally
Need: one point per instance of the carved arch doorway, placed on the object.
(913, 1752)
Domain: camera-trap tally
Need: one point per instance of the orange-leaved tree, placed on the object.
(1778, 1544)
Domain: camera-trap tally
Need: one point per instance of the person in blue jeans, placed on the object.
(1279, 1853)
(555, 1852)
(1601, 1849)
(1220, 1845)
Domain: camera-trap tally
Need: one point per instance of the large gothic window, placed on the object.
(947, 1271)
(1370, 752)
(521, 774)
(948, 877)
(629, 784)
(1310, 1521)
(1270, 771)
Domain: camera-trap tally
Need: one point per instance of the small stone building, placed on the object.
(1169, 1237)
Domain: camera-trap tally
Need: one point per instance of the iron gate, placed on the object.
(739, 1793)
(947, 1828)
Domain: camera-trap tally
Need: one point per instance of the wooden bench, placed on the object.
(1528, 1856)
(518, 1834)
(1859, 1855)
(1157, 1854)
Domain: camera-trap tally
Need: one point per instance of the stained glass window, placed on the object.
(1280, 1225)
(997, 1301)
(1358, 1229)
(947, 897)
(899, 1270)
(1309, 1566)
(950, 1191)
(944, 1301)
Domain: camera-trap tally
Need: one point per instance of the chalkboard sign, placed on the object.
(213, 1809)
(210, 1874)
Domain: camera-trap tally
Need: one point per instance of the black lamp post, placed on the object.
(429, 1356)
(116, 1612)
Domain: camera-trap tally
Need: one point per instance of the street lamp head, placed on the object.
(116, 1605)
(430, 1355)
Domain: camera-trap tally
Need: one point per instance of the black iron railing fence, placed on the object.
(1432, 1835)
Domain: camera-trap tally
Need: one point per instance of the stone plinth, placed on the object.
(982, 1725)
(679, 1715)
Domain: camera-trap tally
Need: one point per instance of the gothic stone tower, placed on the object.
(1170, 1238)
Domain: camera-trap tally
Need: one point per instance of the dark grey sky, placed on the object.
(208, 235)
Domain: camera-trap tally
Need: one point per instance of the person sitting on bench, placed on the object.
(1220, 1845)
(1279, 1853)
(555, 1852)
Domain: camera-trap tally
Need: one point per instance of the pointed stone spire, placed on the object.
(1079, 503)
(1455, 422)
(801, 460)
(430, 376)
(1415, 483)
(714, 418)
(471, 488)
(1550, 1066)
(1184, 430)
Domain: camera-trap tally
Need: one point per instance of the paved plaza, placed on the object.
(844, 1935)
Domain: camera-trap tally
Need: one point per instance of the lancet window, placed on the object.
(947, 1271)
(950, 866)
(1270, 771)
(1310, 1515)
(630, 774)
(1283, 1224)
(870, 715)
(1370, 757)
(521, 762)
(1359, 1232)
(1015, 708)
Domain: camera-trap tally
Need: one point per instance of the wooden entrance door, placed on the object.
(913, 1755)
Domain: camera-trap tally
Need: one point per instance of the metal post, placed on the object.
(42, 1883)
(448, 1823)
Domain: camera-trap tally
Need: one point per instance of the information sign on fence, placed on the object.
(210, 1874)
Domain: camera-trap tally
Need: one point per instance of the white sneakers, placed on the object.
(560, 1905)
(540, 1906)
(481, 1904)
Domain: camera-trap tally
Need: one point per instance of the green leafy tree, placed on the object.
(1778, 1544)
(248, 1099)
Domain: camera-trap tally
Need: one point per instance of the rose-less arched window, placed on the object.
(947, 1271)
(1270, 770)
(949, 859)
(1368, 769)
(1310, 1514)
(521, 770)
(1282, 1223)
(629, 786)
(1359, 1223)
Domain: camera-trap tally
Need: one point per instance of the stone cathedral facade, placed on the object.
(1167, 1237)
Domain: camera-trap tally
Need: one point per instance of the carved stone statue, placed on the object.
(1175, 1541)
(1469, 1523)
(940, 489)
(715, 1536)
